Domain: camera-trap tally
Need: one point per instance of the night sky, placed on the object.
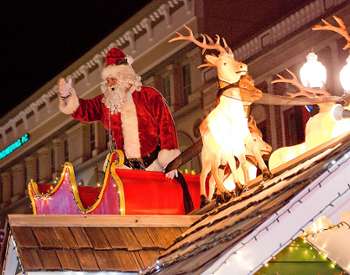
(39, 39)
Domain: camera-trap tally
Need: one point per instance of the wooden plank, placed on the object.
(30, 259)
(23, 220)
(143, 237)
(64, 235)
(68, 260)
(146, 257)
(130, 239)
(97, 238)
(114, 237)
(80, 237)
(24, 237)
(117, 260)
(87, 260)
(49, 259)
(46, 237)
(162, 237)
(106, 261)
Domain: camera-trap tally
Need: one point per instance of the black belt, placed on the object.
(144, 162)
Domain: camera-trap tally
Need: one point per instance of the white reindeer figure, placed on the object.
(320, 128)
(226, 131)
(255, 149)
(329, 122)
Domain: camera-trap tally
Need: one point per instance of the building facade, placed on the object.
(172, 69)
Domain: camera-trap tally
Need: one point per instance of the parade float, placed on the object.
(135, 221)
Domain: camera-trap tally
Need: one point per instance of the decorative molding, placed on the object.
(146, 24)
(164, 10)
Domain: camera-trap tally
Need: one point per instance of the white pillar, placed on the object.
(58, 149)
(78, 138)
(31, 168)
(18, 179)
(6, 186)
(44, 164)
(100, 139)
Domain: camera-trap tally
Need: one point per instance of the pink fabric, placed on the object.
(145, 193)
(62, 201)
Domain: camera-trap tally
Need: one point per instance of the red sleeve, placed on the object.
(89, 109)
(167, 130)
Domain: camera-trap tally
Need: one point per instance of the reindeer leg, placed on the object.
(211, 188)
(234, 171)
(221, 193)
(243, 165)
(203, 177)
(262, 166)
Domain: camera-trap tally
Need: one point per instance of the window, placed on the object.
(186, 79)
(166, 88)
(293, 123)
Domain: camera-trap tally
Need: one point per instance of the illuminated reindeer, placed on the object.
(328, 123)
(225, 132)
(255, 149)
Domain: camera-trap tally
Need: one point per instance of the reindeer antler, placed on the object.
(340, 30)
(303, 91)
(204, 45)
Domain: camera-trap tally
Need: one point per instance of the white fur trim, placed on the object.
(166, 156)
(130, 129)
(69, 105)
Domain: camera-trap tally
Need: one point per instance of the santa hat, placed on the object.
(116, 62)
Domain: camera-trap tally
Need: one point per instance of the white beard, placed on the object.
(116, 96)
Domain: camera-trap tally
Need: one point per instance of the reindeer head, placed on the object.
(228, 68)
(257, 140)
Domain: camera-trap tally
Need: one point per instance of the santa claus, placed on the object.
(137, 116)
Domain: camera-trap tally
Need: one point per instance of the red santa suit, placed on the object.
(142, 126)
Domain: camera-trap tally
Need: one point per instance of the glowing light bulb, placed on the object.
(313, 74)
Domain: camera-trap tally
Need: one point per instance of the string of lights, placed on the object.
(338, 225)
(331, 168)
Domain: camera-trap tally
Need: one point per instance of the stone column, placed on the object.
(6, 186)
(78, 138)
(44, 164)
(18, 179)
(31, 168)
(58, 148)
(100, 139)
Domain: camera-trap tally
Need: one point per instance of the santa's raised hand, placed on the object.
(68, 101)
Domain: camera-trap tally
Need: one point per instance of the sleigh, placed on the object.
(123, 192)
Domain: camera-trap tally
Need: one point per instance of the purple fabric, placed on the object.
(62, 201)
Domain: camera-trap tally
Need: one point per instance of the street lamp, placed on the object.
(313, 73)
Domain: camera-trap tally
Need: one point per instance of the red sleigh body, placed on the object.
(123, 192)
